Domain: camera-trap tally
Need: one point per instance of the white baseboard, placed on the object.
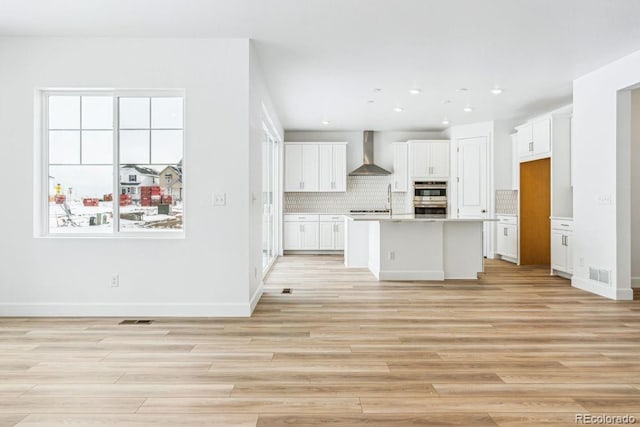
(412, 275)
(135, 310)
(602, 289)
(635, 282)
(256, 297)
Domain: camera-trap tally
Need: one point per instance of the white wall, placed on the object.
(261, 110)
(382, 152)
(601, 152)
(205, 274)
(635, 188)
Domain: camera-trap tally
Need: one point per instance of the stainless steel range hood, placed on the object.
(369, 168)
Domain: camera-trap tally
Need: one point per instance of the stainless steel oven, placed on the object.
(430, 198)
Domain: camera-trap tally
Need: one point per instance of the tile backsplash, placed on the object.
(507, 202)
(363, 192)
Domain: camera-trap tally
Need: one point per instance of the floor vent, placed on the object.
(136, 322)
(286, 291)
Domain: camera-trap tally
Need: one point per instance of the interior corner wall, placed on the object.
(204, 274)
(261, 111)
(635, 188)
(601, 177)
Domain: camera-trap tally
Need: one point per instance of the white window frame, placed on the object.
(41, 227)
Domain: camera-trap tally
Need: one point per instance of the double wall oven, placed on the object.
(430, 198)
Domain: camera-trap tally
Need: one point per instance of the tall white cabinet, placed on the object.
(400, 167)
(315, 167)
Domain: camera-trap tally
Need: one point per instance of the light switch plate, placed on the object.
(219, 199)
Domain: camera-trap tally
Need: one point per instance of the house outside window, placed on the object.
(87, 150)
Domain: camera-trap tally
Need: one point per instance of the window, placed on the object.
(92, 141)
(168, 178)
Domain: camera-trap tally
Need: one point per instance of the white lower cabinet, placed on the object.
(561, 246)
(313, 232)
(507, 238)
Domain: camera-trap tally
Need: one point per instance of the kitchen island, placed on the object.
(410, 247)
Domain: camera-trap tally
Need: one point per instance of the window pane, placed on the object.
(134, 146)
(79, 199)
(134, 113)
(97, 147)
(148, 201)
(64, 147)
(166, 146)
(166, 113)
(64, 112)
(97, 112)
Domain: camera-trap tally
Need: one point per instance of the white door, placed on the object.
(309, 235)
(501, 244)
(292, 235)
(439, 159)
(525, 138)
(339, 167)
(325, 168)
(569, 253)
(472, 177)
(326, 235)
(338, 235)
(542, 136)
(558, 251)
(419, 155)
(400, 171)
(292, 167)
(512, 241)
(309, 167)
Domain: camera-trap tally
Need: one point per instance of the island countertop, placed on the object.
(411, 218)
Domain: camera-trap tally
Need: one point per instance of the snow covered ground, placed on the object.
(78, 218)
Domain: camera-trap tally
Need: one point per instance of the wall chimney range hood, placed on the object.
(369, 168)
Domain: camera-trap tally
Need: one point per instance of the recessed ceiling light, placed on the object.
(446, 101)
(445, 121)
(326, 122)
(398, 109)
(496, 91)
(376, 89)
(371, 101)
(415, 91)
(468, 108)
(463, 89)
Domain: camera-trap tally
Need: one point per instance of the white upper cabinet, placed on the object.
(534, 139)
(428, 159)
(400, 167)
(440, 159)
(315, 167)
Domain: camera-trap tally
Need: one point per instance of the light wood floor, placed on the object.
(516, 348)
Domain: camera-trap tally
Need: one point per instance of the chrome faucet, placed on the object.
(390, 200)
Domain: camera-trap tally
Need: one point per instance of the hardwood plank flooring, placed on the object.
(516, 348)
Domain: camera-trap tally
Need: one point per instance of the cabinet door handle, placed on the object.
(506, 231)
(300, 185)
(335, 229)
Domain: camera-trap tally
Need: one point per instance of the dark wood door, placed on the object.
(535, 209)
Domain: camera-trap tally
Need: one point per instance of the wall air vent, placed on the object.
(600, 275)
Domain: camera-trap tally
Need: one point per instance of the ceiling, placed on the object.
(322, 59)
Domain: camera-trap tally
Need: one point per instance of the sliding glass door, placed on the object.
(270, 200)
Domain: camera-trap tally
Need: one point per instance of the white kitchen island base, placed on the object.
(409, 248)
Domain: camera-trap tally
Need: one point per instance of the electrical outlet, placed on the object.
(219, 199)
(115, 281)
(391, 255)
(605, 199)
(581, 261)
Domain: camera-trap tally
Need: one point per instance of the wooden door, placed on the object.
(535, 209)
